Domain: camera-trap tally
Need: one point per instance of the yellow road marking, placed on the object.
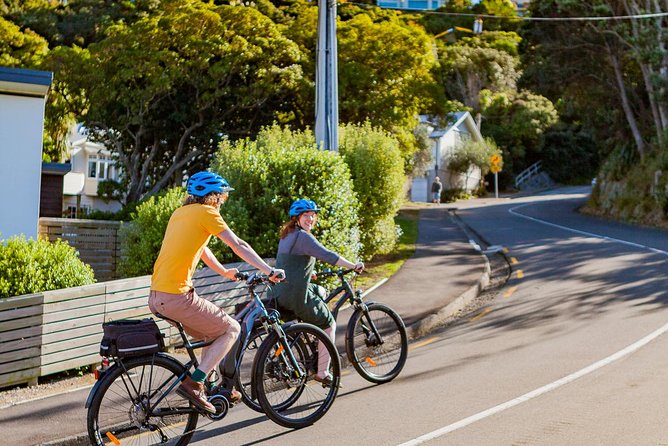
(481, 314)
(505, 250)
(520, 274)
(514, 261)
(510, 292)
(422, 344)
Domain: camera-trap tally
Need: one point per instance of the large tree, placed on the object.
(620, 94)
(467, 69)
(162, 91)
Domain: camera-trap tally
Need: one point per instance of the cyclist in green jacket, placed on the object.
(298, 250)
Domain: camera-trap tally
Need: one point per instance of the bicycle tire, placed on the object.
(118, 408)
(308, 399)
(243, 381)
(378, 363)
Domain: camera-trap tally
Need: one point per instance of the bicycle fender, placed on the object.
(94, 390)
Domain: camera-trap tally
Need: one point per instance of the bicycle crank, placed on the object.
(222, 406)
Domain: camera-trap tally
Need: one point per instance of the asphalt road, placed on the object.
(571, 352)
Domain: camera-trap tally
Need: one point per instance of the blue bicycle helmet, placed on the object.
(300, 206)
(205, 182)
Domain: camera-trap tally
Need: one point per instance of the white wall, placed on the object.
(21, 126)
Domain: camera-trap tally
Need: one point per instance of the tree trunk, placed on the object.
(646, 68)
(626, 106)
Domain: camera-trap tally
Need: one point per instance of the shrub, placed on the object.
(142, 237)
(272, 171)
(32, 266)
(376, 165)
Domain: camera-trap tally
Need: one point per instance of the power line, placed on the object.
(524, 18)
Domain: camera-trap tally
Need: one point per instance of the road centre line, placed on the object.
(540, 391)
(588, 234)
(423, 343)
(510, 292)
(481, 314)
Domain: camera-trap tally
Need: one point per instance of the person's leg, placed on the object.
(214, 353)
(323, 355)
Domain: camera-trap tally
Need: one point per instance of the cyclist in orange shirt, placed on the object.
(172, 294)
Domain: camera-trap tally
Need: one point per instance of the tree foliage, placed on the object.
(162, 90)
(470, 153)
(20, 48)
(517, 122)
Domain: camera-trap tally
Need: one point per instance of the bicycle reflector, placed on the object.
(101, 369)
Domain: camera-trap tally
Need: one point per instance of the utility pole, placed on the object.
(327, 83)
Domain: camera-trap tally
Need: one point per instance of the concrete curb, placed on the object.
(450, 311)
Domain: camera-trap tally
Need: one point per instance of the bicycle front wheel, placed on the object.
(376, 343)
(285, 368)
(138, 405)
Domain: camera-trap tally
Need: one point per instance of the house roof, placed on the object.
(457, 120)
(56, 168)
(22, 82)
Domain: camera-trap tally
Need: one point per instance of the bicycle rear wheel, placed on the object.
(134, 405)
(244, 375)
(287, 391)
(376, 343)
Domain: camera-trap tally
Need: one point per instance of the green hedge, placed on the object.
(32, 266)
(376, 165)
(272, 171)
(141, 239)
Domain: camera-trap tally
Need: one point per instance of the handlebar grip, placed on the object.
(241, 276)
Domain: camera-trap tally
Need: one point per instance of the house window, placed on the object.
(102, 167)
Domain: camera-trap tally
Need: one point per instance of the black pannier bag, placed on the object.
(131, 338)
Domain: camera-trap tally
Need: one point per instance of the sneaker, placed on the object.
(326, 381)
(196, 394)
(233, 396)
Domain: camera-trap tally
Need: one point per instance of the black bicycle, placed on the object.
(266, 381)
(134, 400)
(376, 339)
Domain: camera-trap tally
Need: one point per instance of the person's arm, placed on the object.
(244, 250)
(212, 262)
(309, 245)
(358, 267)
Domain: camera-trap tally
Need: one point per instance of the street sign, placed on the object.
(495, 163)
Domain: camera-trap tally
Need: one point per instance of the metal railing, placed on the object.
(527, 174)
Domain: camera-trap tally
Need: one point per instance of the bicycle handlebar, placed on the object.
(338, 272)
(252, 278)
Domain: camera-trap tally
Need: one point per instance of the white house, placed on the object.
(445, 142)
(22, 99)
(91, 164)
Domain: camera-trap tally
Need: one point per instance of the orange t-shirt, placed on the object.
(188, 232)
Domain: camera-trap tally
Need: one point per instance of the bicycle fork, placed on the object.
(285, 353)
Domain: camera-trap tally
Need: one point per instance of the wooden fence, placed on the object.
(96, 240)
(58, 330)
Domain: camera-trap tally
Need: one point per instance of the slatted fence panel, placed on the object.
(59, 330)
(68, 311)
(20, 339)
(96, 240)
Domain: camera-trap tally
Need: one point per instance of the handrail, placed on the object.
(527, 174)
